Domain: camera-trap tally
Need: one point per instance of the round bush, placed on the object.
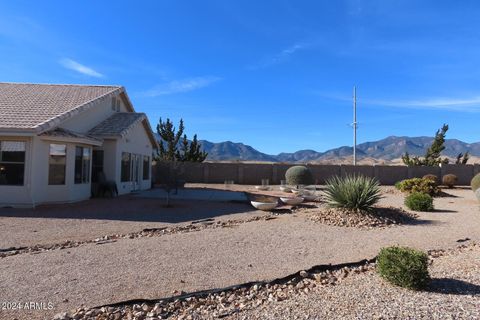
(475, 183)
(405, 267)
(418, 185)
(449, 180)
(418, 201)
(299, 175)
(432, 177)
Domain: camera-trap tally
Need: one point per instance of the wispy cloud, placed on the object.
(280, 57)
(80, 68)
(180, 86)
(453, 104)
(469, 104)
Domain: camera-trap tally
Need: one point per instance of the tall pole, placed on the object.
(354, 125)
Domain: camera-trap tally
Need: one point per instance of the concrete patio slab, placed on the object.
(196, 194)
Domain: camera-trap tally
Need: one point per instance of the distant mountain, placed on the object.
(234, 151)
(385, 150)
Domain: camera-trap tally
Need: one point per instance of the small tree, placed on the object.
(167, 133)
(191, 151)
(170, 147)
(432, 156)
(462, 158)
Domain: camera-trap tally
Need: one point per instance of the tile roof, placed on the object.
(64, 133)
(30, 106)
(117, 124)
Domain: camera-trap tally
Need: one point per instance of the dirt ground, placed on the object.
(154, 267)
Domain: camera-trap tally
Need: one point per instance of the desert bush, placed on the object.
(418, 201)
(419, 185)
(353, 192)
(299, 175)
(404, 267)
(398, 185)
(449, 180)
(432, 177)
(475, 183)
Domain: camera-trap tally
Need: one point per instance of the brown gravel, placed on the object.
(454, 293)
(331, 293)
(379, 218)
(154, 267)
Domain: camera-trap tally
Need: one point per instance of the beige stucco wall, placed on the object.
(88, 119)
(136, 142)
(42, 192)
(19, 196)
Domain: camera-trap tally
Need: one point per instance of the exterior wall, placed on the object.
(42, 192)
(20, 196)
(111, 165)
(253, 173)
(135, 141)
(85, 121)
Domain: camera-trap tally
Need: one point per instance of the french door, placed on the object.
(135, 170)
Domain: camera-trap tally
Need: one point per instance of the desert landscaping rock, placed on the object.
(152, 232)
(380, 217)
(151, 267)
(327, 294)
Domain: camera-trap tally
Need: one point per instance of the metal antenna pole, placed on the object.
(354, 125)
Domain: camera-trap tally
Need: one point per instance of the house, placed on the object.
(55, 140)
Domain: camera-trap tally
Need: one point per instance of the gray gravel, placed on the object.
(454, 293)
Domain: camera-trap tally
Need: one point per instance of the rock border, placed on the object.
(147, 232)
(223, 302)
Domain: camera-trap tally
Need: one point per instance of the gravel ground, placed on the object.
(154, 267)
(454, 293)
(98, 217)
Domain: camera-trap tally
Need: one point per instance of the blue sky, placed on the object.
(276, 75)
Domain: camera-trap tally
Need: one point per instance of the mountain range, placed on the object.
(388, 150)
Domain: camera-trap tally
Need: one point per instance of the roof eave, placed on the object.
(93, 142)
(17, 132)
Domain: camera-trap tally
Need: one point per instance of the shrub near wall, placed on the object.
(299, 175)
(449, 180)
(422, 185)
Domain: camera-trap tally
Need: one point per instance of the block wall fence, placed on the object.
(253, 173)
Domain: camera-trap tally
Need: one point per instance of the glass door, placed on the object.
(135, 172)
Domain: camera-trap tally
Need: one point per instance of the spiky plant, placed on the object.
(354, 192)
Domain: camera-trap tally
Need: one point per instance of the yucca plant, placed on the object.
(355, 192)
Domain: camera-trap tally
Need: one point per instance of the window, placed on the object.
(82, 165)
(97, 164)
(126, 163)
(12, 163)
(56, 164)
(146, 167)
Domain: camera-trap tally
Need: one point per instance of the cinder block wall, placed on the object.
(253, 173)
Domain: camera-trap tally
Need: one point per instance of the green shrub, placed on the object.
(404, 267)
(398, 185)
(449, 180)
(299, 175)
(418, 201)
(419, 185)
(475, 183)
(432, 177)
(353, 192)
